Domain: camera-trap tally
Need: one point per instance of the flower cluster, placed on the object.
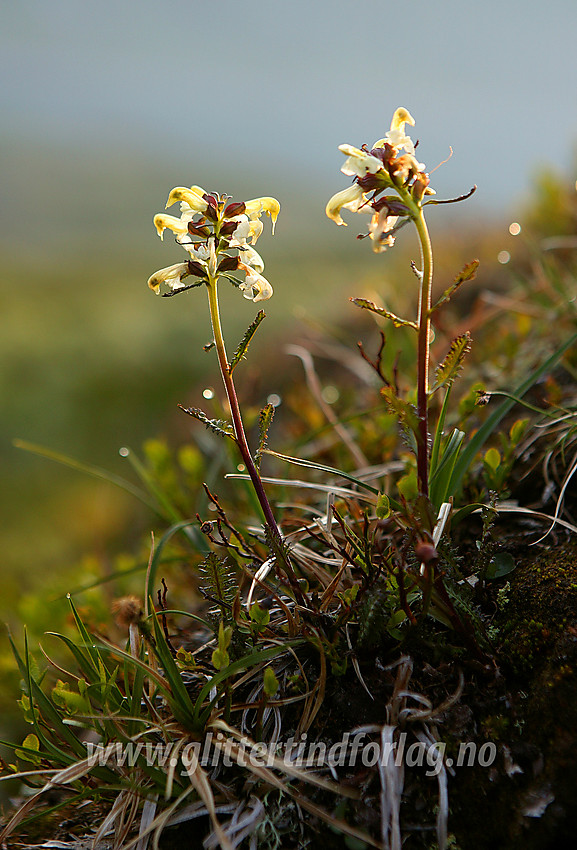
(219, 235)
(389, 165)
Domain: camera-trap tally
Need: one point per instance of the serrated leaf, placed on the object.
(218, 426)
(386, 314)
(452, 363)
(404, 411)
(468, 272)
(219, 581)
(245, 341)
(264, 420)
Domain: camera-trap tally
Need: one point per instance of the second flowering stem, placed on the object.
(424, 331)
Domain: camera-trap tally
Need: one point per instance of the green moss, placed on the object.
(541, 605)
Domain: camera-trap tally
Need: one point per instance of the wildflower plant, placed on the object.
(219, 235)
(368, 568)
(393, 188)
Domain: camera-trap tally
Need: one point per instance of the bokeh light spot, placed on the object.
(330, 394)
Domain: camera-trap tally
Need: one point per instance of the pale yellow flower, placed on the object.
(396, 136)
(171, 275)
(353, 198)
(256, 207)
(164, 222)
(191, 197)
(359, 163)
(381, 224)
(247, 231)
(255, 287)
(252, 258)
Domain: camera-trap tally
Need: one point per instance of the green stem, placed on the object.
(424, 329)
(241, 441)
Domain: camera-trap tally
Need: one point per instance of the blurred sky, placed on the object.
(277, 86)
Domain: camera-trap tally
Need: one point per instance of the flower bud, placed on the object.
(233, 209)
(198, 230)
(426, 552)
(196, 269)
(421, 183)
(228, 228)
(228, 264)
(127, 610)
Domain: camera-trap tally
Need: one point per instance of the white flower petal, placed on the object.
(359, 163)
(171, 275)
(353, 198)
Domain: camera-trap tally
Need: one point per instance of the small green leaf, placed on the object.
(245, 341)
(383, 506)
(71, 701)
(386, 314)
(220, 659)
(184, 657)
(220, 656)
(493, 459)
(452, 364)
(259, 615)
(30, 742)
(468, 272)
(404, 411)
(26, 708)
(270, 682)
(501, 565)
(349, 595)
(517, 431)
(408, 487)
(218, 426)
(264, 420)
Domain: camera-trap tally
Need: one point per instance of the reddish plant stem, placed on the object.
(242, 443)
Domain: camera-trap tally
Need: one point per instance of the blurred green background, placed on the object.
(104, 107)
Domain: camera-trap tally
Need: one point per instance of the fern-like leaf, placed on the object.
(404, 411)
(386, 314)
(245, 341)
(219, 582)
(468, 272)
(373, 616)
(264, 420)
(218, 426)
(452, 363)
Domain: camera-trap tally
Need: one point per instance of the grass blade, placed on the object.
(87, 469)
(482, 435)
